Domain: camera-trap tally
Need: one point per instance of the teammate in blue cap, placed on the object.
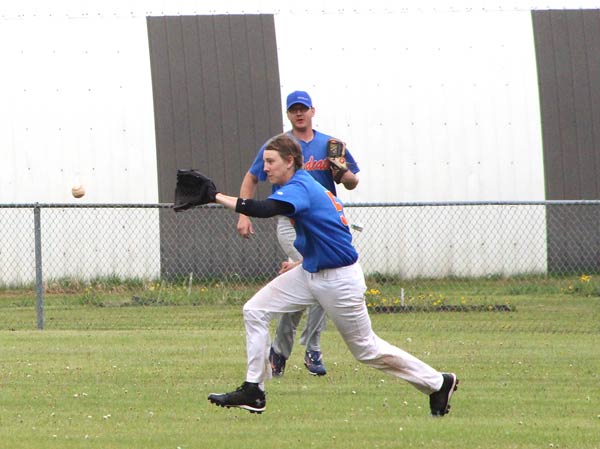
(300, 112)
(329, 274)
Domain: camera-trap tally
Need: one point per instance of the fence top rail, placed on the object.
(86, 206)
(392, 204)
(478, 203)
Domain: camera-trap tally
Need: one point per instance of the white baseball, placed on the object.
(78, 191)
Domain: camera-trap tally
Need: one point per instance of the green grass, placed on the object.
(137, 377)
(383, 291)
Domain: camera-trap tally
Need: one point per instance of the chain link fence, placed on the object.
(415, 255)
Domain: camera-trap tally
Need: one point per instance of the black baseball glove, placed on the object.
(336, 154)
(193, 189)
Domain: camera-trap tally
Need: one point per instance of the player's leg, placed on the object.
(311, 338)
(285, 333)
(283, 341)
(341, 293)
(287, 293)
(284, 294)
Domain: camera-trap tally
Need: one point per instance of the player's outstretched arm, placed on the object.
(227, 201)
(255, 208)
(195, 189)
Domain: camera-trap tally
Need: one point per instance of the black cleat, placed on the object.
(277, 363)
(439, 402)
(248, 396)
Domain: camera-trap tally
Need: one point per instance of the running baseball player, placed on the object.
(329, 170)
(329, 274)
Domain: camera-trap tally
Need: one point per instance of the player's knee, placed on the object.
(362, 357)
(361, 354)
(363, 351)
(247, 311)
(254, 316)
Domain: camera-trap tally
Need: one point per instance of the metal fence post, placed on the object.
(39, 282)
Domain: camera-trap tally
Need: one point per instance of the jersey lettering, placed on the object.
(312, 164)
(338, 207)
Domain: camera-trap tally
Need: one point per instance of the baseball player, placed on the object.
(300, 112)
(329, 274)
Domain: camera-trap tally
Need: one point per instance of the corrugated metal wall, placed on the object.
(216, 94)
(568, 61)
(216, 101)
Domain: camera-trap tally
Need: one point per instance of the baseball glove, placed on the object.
(193, 189)
(336, 154)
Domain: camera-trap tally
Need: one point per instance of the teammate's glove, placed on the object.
(193, 189)
(336, 154)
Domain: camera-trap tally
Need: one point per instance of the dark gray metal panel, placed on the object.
(216, 99)
(203, 241)
(582, 106)
(591, 27)
(211, 100)
(573, 239)
(266, 100)
(568, 54)
(272, 78)
(548, 93)
(181, 149)
(216, 94)
(566, 106)
(568, 61)
(228, 101)
(244, 104)
(163, 113)
(263, 100)
(197, 95)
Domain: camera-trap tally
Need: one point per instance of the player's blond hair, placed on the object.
(287, 146)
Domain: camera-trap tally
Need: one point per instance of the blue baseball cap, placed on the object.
(299, 97)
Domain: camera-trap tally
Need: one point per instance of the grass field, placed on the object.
(138, 377)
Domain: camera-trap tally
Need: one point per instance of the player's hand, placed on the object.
(244, 227)
(287, 266)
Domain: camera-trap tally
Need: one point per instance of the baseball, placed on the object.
(78, 191)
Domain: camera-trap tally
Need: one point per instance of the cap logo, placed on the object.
(299, 97)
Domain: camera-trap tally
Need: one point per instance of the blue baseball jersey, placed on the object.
(315, 161)
(322, 233)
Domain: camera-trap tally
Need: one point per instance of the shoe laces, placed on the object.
(314, 356)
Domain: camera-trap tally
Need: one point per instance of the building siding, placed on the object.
(215, 87)
(568, 63)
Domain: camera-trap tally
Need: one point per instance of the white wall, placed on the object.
(435, 106)
(437, 100)
(443, 94)
(77, 108)
(459, 240)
